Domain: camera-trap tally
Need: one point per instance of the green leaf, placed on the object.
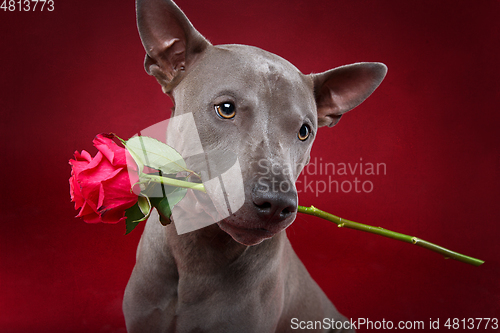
(144, 205)
(165, 221)
(155, 154)
(134, 216)
(165, 205)
(176, 196)
(137, 159)
(137, 213)
(164, 210)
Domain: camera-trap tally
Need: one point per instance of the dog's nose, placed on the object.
(274, 203)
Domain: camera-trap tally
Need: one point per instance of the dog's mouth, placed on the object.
(246, 232)
(245, 236)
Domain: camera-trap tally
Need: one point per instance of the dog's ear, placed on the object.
(343, 88)
(172, 43)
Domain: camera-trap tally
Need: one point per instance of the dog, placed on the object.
(241, 273)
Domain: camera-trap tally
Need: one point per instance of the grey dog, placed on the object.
(241, 273)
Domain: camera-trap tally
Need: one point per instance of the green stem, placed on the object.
(173, 182)
(342, 223)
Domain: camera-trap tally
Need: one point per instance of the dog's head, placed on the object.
(252, 103)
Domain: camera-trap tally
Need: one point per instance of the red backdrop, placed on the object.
(69, 74)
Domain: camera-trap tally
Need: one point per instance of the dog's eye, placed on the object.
(304, 133)
(225, 110)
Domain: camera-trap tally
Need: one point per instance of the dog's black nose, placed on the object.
(274, 202)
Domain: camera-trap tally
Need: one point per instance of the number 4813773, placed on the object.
(27, 5)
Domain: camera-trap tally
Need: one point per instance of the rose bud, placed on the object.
(101, 186)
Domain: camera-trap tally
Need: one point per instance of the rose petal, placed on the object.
(113, 215)
(83, 156)
(90, 178)
(114, 153)
(75, 193)
(90, 194)
(95, 161)
(112, 174)
(80, 162)
(92, 218)
(100, 201)
(71, 188)
(117, 191)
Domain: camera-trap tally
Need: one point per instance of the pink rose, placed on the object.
(101, 186)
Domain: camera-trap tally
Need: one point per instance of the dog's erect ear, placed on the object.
(343, 88)
(172, 43)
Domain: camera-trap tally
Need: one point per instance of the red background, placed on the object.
(75, 72)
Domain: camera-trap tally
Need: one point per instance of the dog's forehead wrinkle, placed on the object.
(259, 62)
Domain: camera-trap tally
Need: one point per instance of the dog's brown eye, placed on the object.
(304, 133)
(225, 110)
